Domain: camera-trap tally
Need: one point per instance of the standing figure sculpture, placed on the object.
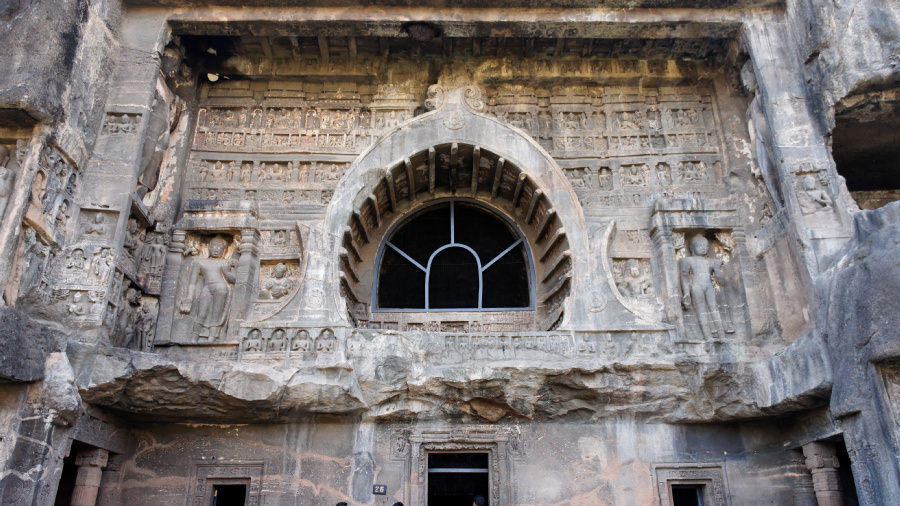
(7, 178)
(206, 296)
(698, 289)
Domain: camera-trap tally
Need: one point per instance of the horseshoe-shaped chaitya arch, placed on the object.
(458, 171)
(434, 156)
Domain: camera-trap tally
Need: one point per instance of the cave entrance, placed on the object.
(845, 473)
(866, 146)
(67, 477)
(454, 479)
(229, 494)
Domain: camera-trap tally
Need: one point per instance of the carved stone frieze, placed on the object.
(53, 191)
(297, 344)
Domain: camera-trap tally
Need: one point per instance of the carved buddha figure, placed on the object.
(206, 294)
(254, 341)
(697, 288)
(97, 227)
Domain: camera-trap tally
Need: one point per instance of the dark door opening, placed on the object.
(67, 478)
(229, 495)
(454, 479)
(845, 472)
(687, 495)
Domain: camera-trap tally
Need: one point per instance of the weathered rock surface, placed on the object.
(155, 388)
(24, 346)
(401, 387)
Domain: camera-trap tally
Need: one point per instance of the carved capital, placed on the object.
(249, 241)
(94, 457)
(177, 244)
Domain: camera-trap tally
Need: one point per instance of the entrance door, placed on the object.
(454, 479)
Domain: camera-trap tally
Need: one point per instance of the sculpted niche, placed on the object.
(206, 290)
(699, 290)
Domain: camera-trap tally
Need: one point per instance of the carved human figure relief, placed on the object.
(152, 259)
(278, 284)
(206, 291)
(606, 178)
(101, 264)
(34, 253)
(278, 341)
(127, 323)
(96, 227)
(79, 306)
(812, 198)
(7, 178)
(131, 236)
(325, 343)
(253, 341)
(62, 215)
(301, 341)
(633, 278)
(698, 288)
(76, 260)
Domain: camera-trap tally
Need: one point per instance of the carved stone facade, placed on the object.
(225, 229)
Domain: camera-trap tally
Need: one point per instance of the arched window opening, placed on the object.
(454, 256)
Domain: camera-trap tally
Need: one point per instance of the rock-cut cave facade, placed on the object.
(573, 253)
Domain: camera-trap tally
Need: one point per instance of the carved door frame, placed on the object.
(500, 443)
(710, 476)
(208, 473)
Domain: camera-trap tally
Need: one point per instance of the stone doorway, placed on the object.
(229, 494)
(454, 479)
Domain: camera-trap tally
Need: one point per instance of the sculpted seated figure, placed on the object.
(812, 198)
(697, 287)
(278, 285)
(633, 282)
(96, 227)
(206, 295)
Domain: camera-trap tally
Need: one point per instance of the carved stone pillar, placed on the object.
(664, 244)
(90, 465)
(247, 275)
(823, 464)
(168, 287)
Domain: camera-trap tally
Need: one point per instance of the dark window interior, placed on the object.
(453, 282)
(229, 495)
(400, 284)
(454, 279)
(454, 479)
(687, 495)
